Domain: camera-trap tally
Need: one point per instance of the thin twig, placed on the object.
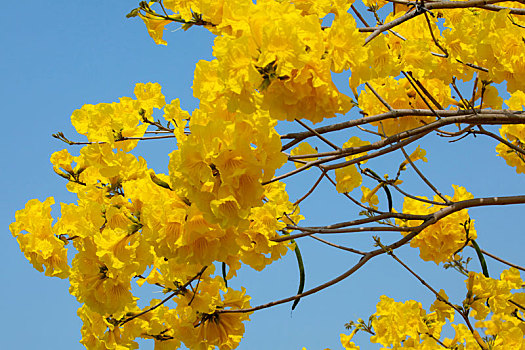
(500, 139)
(392, 147)
(179, 290)
(434, 38)
(352, 250)
(425, 91)
(474, 89)
(422, 8)
(395, 142)
(464, 101)
(370, 131)
(469, 118)
(337, 148)
(379, 97)
(502, 261)
(429, 184)
(502, 117)
(356, 202)
(406, 194)
(323, 173)
(420, 94)
(358, 15)
(433, 219)
(463, 314)
(423, 282)
(307, 231)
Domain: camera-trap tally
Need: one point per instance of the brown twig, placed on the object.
(379, 97)
(417, 198)
(358, 15)
(348, 249)
(312, 189)
(425, 180)
(463, 313)
(179, 290)
(502, 261)
(324, 139)
(498, 117)
(391, 147)
(307, 231)
(369, 255)
(500, 139)
(434, 38)
(425, 91)
(356, 202)
(422, 8)
(419, 93)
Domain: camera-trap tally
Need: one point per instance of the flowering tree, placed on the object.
(425, 68)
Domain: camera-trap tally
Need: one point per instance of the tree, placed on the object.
(425, 69)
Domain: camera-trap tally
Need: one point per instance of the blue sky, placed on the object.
(59, 55)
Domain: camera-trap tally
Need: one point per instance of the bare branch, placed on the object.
(379, 97)
(422, 8)
(351, 250)
(502, 261)
(433, 219)
(425, 180)
(312, 189)
(325, 140)
(179, 290)
(498, 117)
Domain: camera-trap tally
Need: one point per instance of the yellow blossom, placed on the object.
(302, 149)
(440, 240)
(39, 244)
(155, 26)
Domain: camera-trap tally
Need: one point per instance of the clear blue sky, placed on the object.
(58, 55)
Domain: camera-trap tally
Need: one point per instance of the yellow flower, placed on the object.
(439, 241)
(395, 322)
(347, 178)
(62, 160)
(178, 118)
(485, 295)
(370, 196)
(112, 122)
(224, 330)
(149, 95)
(183, 7)
(515, 134)
(39, 245)
(347, 344)
(418, 154)
(302, 149)
(345, 44)
(105, 290)
(155, 26)
(442, 309)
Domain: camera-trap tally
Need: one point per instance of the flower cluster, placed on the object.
(131, 223)
(497, 304)
(218, 204)
(438, 242)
